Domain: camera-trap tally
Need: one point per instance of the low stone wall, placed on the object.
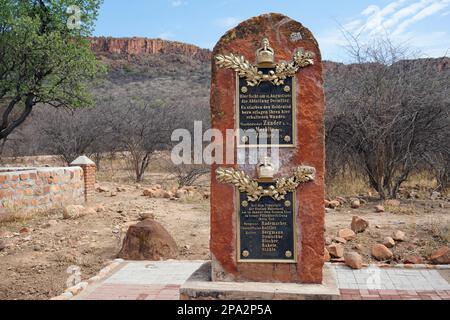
(23, 189)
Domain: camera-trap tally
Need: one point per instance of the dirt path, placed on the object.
(33, 263)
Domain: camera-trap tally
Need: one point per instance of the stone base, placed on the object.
(200, 287)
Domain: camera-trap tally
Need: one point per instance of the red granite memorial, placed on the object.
(267, 221)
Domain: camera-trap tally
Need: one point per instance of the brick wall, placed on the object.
(40, 188)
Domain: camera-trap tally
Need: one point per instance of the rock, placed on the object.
(359, 225)
(100, 208)
(167, 194)
(74, 212)
(389, 242)
(379, 209)
(121, 189)
(413, 260)
(393, 203)
(50, 223)
(2, 245)
(326, 256)
(341, 200)
(347, 234)
(180, 193)
(356, 204)
(353, 260)
(435, 195)
(336, 250)
(101, 189)
(441, 256)
(146, 215)
(113, 194)
(148, 193)
(399, 236)
(381, 253)
(328, 241)
(334, 204)
(157, 187)
(340, 240)
(148, 240)
(357, 247)
(25, 230)
(206, 195)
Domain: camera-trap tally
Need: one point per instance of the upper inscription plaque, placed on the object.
(266, 113)
(266, 96)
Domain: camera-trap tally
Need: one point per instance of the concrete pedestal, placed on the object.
(200, 287)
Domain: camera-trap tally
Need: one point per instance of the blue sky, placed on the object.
(422, 24)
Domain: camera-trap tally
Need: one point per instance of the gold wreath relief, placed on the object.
(250, 72)
(255, 192)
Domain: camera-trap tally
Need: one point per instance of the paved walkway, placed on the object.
(162, 281)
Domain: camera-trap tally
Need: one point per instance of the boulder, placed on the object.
(399, 236)
(25, 230)
(347, 234)
(379, 209)
(180, 193)
(336, 250)
(441, 256)
(334, 204)
(49, 224)
(356, 204)
(101, 189)
(167, 194)
(435, 195)
(359, 225)
(74, 212)
(121, 189)
(381, 252)
(353, 260)
(413, 260)
(389, 242)
(326, 256)
(148, 193)
(148, 240)
(340, 240)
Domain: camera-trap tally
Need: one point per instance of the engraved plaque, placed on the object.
(264, 108)
(266, 229)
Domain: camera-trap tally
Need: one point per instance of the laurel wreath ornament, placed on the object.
(278, 191)
(254, 77)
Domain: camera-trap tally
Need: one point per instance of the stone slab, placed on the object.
(200, 287)
(285, 36)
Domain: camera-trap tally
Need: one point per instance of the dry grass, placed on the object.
(15, 214)
(439, 229)
(402, 210)
(346, 185)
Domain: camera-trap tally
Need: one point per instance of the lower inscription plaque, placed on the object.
(266, 229)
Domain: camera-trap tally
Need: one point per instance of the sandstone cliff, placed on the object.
(142, 46)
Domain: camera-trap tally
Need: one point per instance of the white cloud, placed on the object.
(428, 11)
(227, 22)
(396, 20)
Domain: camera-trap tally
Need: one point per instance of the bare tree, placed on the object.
(387, 113)
(143, 129)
